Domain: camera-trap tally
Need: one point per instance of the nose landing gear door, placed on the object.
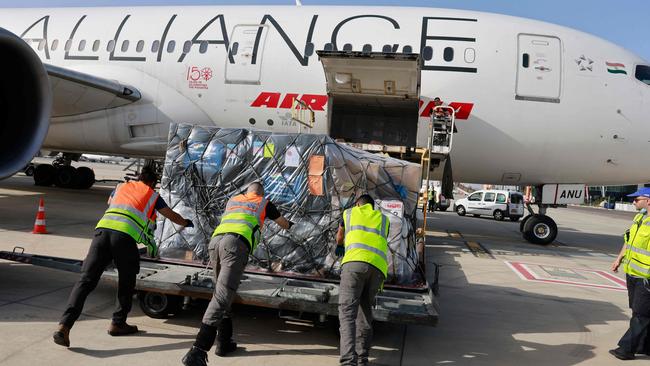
(373, 96)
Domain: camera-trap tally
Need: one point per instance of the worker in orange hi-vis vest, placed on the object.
(130, 219)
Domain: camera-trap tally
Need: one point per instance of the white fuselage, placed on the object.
(564, 119)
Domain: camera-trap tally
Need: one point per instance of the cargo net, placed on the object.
(310, 178)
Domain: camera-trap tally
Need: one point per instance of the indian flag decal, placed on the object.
(616, 68)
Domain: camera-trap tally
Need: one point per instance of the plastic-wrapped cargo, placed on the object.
(310, 178)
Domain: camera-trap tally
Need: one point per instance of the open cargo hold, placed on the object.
(310, 178)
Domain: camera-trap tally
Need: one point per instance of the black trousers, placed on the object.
(107, 245)
(637, 337)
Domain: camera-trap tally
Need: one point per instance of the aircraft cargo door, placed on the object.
(539, 70)
(373, 96)
(244, 60)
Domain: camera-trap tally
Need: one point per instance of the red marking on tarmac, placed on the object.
(527, 275)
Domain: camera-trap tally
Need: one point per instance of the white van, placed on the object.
(495, 203)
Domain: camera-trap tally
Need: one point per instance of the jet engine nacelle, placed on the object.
(25, 103)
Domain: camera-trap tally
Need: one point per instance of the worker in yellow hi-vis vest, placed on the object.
(362, 240)
(635, 258)
(236, 236)
(130, 219)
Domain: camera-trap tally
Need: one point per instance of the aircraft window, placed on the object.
(475, 197)
(125, 45)
(427, 54)
(41, 45)
(55, 45)
(269, 122)
(96, 45)
(110, 46)
(489, 197)
(643, 74)
(187, 46)
(309, 49)
(387, 48)
(448, 54)
(501, 198)
(251, 121)
(347, 47)
(367, 48)
(203, 48)
(328, 47)
(140, 46)
(470, 55)
(155, 46)
(525, 62)
(407, 49)
(82, 45)
(68, 45)
(171, 46)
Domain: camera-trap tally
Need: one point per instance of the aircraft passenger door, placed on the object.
(539, 70)
(244, 60)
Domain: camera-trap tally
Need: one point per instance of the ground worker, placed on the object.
(236, 236)
(432, 200)
(129, 219)
(364, 231)
(635, 257)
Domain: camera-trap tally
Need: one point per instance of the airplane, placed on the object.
(535, 103)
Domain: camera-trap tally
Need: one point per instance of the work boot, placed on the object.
(62, 336)
(621, 355)
(225, 344)
(195, 357)
(223, 349)
(122, 329)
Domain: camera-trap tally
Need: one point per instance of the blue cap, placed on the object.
(642, 192)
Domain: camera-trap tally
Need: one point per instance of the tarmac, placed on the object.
(502, 300)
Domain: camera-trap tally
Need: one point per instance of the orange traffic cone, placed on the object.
(39, 224)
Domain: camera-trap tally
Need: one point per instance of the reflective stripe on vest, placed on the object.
(366, 237)
(132, 211)
(637, 254)
(244, 215)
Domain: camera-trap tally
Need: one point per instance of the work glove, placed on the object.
(189, 223)
(152, 250)
(339, 251)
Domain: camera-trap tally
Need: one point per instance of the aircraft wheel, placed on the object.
(86, 177)
(540, 229)
(44, 175)
(66, 177)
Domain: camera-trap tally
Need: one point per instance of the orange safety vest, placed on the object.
(132, 211)
(244, 215)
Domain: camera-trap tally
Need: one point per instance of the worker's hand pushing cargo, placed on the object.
(635, 258)
(364, 234)
(236, 236)
(130, 219)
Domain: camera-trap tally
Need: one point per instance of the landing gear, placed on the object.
(62, 174)
(538, 228)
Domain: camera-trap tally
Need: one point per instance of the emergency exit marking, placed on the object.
(566, 276)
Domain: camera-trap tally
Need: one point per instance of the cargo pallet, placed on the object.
(165, 286)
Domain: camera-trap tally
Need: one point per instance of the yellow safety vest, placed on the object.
(244, 215)
(366, 237)
(132, 211)
(637, 248)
